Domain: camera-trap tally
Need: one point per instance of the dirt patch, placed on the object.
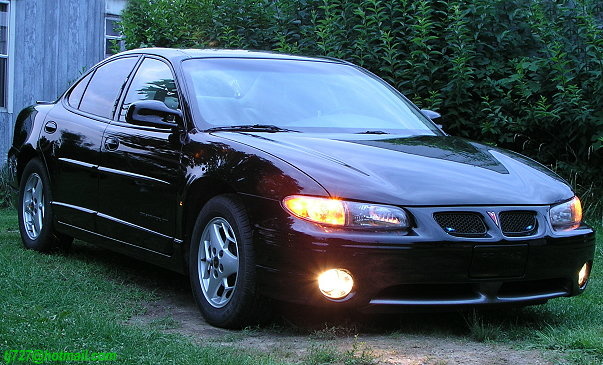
(297, 335)
(291, 341)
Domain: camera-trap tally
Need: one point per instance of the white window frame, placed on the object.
(110, 37)
(10, 57)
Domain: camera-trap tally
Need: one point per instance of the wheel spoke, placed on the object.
(216, 238)
(230, 263)
(227, 289)
(207, 249)
(213, 286)
(29, 227)
(37, 223)
(229, 235)
(39, 189)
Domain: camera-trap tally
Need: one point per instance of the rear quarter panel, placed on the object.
(25, 139)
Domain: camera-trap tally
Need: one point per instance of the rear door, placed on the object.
(140, 171)
(71, 141)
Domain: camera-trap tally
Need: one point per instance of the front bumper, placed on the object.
(426, 267)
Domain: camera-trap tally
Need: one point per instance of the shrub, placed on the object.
(521, 74)
(7, 193)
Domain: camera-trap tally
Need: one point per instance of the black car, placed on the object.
(305, 180)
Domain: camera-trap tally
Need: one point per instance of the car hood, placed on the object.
(413, 171)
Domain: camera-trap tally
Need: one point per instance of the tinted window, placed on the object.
(76, 93)
(105, 86)
(153, 81)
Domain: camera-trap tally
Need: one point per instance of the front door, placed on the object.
(140, 172)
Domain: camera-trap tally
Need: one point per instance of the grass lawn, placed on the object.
(573, 326)
(83, 302)
(73, 303)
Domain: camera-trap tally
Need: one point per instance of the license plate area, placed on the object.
(496, 261)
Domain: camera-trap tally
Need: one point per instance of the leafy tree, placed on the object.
(522, 74)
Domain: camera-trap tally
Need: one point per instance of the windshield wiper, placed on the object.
(372, 132)
(250, 128)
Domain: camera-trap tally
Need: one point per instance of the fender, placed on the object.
(28, 126)
(215, 165)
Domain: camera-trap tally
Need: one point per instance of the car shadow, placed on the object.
(175, 302)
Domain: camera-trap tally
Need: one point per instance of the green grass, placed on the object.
(77, 303)
(573, 326)
(322, 353)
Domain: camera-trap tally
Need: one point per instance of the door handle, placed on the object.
(50, 127)
(111, 143)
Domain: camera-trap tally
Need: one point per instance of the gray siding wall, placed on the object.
(55, 40)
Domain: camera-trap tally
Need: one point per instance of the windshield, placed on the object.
(308, 96)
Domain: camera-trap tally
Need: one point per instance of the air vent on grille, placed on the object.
(461, 223)
(518, 223)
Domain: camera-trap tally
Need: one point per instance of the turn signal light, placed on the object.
(320, 210)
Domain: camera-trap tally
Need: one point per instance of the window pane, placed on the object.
(109, 47)
(112, 28)
(76, 93)
(3, 29)
(105, 86)
(153, 81)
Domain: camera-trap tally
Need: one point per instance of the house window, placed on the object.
(4, 22)
(113, 39)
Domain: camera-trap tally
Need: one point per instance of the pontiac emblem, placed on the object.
(494, 218)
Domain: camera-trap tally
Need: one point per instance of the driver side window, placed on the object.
(153, 81)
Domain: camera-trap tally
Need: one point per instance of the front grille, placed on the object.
(518, 223)
(461, 223)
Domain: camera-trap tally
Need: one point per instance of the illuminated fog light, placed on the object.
(583, 275)
(335, 283)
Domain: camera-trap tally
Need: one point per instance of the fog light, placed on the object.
(583, 275)
(335, 283)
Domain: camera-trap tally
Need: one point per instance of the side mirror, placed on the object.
(431, 114)
(152, 113)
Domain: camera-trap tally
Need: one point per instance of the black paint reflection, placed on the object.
(443, 148)
(249, 172)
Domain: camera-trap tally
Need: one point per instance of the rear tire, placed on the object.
(222, 264)
(35, 212)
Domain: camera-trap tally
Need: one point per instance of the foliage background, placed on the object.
(521, 74)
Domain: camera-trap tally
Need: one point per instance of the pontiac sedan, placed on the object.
(305, 180)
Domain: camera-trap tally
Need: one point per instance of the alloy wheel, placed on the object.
(33, 206)
(218, 261)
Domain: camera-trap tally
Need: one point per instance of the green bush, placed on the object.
(522, 74)
(8, 194)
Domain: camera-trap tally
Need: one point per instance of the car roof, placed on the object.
(175, 54)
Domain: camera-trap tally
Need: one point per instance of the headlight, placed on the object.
(344, 213)
(566, 216)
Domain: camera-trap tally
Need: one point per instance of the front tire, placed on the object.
(222, 264)
(35, 212)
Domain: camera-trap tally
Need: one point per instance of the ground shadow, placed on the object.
(175, 300)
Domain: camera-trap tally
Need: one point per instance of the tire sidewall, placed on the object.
(234, 313)
(45, 240)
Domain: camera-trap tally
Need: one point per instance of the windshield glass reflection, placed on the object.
(299, 95)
